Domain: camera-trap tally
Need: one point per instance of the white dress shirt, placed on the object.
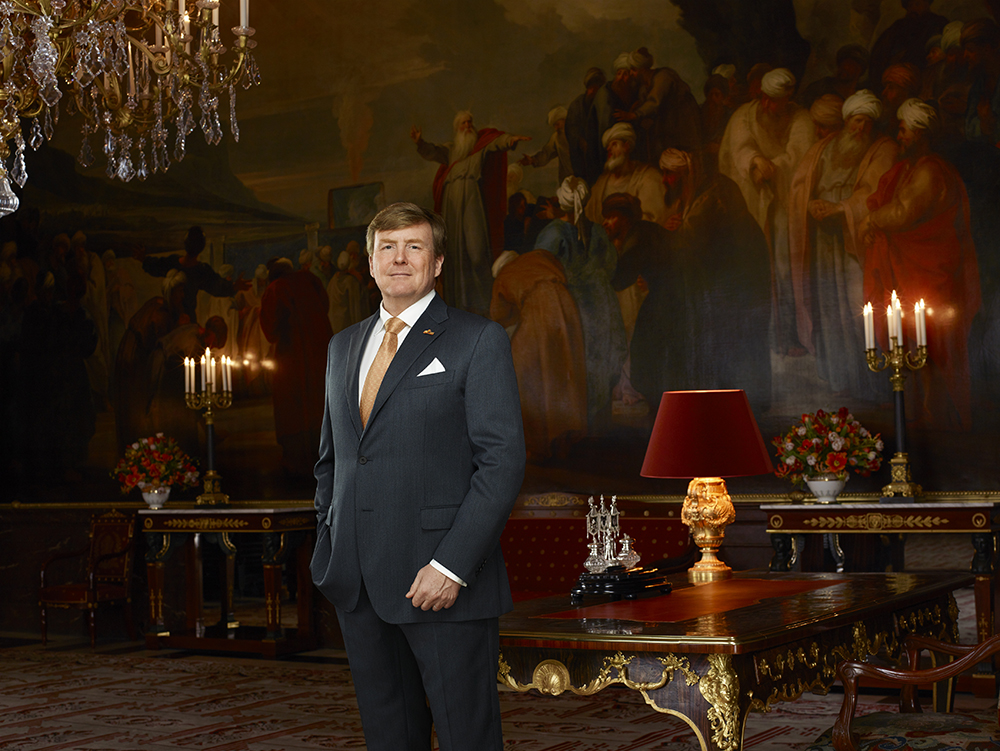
(409, 316)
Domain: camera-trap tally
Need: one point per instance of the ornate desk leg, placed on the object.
(303, 556)
(782, 544)
(273, 559)
(227, 617)
(982, 567)
(158, 548)
(713, 704)
(194, 585)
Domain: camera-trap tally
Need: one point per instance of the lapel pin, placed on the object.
(428, 332)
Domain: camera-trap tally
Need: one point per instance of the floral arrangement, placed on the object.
(827, 443)
(154, 462)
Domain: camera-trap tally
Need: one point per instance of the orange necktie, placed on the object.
(380, 364)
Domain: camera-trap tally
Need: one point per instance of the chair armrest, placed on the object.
(850, 671)
(59, 557)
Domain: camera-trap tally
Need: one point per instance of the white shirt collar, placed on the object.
(409, 316)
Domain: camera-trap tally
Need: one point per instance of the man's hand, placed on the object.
(761, 170)
(820, 209)
(432, 590)
(415, 134)
(673, 222)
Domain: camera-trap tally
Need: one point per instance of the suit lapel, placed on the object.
(352, 389)
(430, 326)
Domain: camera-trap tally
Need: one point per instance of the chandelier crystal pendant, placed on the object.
(131, 68)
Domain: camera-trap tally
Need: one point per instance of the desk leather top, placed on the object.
(750, 611)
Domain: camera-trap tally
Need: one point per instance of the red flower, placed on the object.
(836, 462)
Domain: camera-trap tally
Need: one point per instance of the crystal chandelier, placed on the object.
(130, 68)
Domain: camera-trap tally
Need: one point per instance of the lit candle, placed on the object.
(159, 35)
(229, 374)
(898, 314)
(869, 326)
(187, 33)
(244, 13)
(215, 16)
(889, 319)
(203, 373)
(213, 376)
(187, 377)
(922, 324)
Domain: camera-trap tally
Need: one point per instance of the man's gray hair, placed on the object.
(401, 215)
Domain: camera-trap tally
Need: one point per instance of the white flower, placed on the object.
(800, 430)
(879, 444)
(789, 460)
(850, 419)
(864, 432)
(837, 443)
(871, 455)
(811, 460)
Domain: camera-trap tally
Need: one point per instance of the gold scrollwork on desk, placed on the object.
(721, 688)
(205, 524)
(297, 521)
(552, 676)
(875, 521)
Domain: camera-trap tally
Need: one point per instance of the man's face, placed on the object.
(849, 69)
(774, 105)
(614, 225)
(404, 266)
(465, 125)
(858, 125)
(908, 138)
(618, 149)
(893, 95)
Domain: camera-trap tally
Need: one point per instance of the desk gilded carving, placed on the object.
(286, 532)
(709, 653)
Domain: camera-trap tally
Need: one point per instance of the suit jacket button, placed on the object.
(363, 460)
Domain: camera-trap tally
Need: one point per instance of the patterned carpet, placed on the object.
(124, 697)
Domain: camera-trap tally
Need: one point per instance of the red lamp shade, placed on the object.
(705, 434)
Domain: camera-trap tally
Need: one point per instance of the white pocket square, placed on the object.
(434, 367)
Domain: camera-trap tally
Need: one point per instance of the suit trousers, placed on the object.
(410, 675)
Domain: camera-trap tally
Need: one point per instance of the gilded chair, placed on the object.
(912, 728)
(108, 574)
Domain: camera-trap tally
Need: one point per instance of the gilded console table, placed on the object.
(711, 652)
(978, 519)
(286, 532)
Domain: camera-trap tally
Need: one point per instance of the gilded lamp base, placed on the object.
(708, 510)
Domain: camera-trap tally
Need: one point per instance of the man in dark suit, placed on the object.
(418, 470)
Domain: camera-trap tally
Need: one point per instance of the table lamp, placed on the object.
(706, 435)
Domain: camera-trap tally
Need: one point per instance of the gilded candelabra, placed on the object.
(898, 360)
(207, 398)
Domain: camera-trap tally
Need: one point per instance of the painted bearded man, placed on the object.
(470, 192)
(918, 243)
(828, 201)
(760, 150)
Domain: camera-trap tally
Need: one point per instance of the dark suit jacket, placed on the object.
(434, 474)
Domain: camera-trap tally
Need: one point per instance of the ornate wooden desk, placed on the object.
(285, 531)
(977, 519)
(709, 653)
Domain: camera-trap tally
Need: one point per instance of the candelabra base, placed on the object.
(901, 488)
(617, 582)
(213, 495)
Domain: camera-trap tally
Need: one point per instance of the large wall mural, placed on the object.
(647, 195)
